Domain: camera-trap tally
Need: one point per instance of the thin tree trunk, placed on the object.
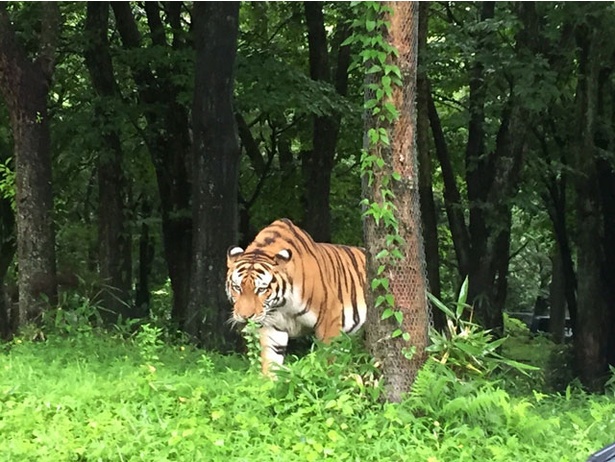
(557, 299)
(168, 141)
(146, 258)
(24, 85)
(452, 196)
(318, 162)
(557, 212)
(114, 240)
(428, 208)
(215, 170)
(7, 252)
(605, 141)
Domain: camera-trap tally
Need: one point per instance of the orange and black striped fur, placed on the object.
(292, 286)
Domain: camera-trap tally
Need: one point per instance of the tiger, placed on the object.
(292, 286)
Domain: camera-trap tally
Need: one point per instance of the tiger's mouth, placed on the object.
(263, 319)
(237, 319)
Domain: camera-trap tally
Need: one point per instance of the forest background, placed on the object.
(118, 118)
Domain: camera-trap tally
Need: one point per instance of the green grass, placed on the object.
(95, 397)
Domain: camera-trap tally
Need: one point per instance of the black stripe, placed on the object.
(351, 255)
(306, 309)
(356, 319)
(342, 271)
(268, 240)
(278, 349)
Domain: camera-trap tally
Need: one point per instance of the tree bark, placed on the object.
(215, 170)
(593, 316)
(407, 278)
(24, 85)
(605, 142)
(146, 259)
(114, 240)
(556, 206)
(452, 197)
(557, 300)
(8, 248)
(168, 141)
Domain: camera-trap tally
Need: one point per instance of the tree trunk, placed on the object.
(318, 162)
(428, 207)
(168, 141)
(593, 319)
(146, 258)
(483, 246)
(557, 299)
(407, 278)
(605, 142)
(452, 196)
(7, 252)
(115, 256)
(556, 206)
(24, 85)
(215, 170)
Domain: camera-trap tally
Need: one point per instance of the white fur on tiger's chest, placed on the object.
(293, 317)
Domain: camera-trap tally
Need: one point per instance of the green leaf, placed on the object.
(382, 254)
(463, 292)
(441, 306)
(387, 313)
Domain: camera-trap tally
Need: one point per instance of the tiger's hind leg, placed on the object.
(273, 349)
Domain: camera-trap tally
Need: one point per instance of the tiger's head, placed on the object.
(256, 283)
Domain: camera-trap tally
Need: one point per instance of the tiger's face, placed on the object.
(254, 284)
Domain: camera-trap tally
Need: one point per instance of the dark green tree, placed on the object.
(166, 131)
(114, 240)
(24, 85)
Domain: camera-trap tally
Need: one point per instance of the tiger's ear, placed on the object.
(232, 254)
(283, 256)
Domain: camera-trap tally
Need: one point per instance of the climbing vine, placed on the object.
(382, 76)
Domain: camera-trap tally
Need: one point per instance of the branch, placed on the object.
(250, 144)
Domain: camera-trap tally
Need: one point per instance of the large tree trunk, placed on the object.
(407, 278)
(24, 85)
(215, 170)
(115, 256)
(593, 317)
(318, 163)
(168, 140)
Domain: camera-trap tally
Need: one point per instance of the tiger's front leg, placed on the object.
(273, 348)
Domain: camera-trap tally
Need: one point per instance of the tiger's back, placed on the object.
(292, 285)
